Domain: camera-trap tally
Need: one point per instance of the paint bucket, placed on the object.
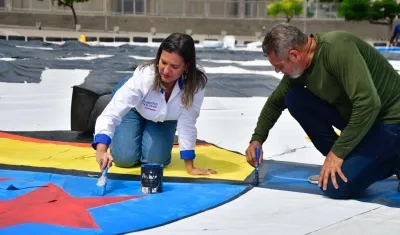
(151, 180)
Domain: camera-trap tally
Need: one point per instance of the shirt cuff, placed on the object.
(101, 138)
(258, 138)
(188, 155)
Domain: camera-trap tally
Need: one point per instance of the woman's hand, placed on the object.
(104, 159)
(197, 171)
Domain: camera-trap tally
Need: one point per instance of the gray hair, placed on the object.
(282, 38)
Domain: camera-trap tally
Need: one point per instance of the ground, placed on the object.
(48, 176)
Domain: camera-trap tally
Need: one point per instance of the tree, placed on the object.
(70, 4)
(289, 8)
(381, 12)
(354, 10)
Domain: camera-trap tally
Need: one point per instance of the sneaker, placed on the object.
(396, 165)
(397, 173)
(313, 179)
(397, 168)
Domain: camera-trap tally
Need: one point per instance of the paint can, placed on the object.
(151, 180)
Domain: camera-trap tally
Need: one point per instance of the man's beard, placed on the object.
(296, 73)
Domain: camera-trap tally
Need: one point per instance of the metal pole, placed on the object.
(105, 15)
(305, 15)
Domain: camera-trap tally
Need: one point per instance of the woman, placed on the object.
(146, 109)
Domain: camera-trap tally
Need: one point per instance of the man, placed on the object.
(395, 36)
(335, 79)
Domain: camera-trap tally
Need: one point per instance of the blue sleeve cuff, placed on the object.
(101, 138)
(188, 155)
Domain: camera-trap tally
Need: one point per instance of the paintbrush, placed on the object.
(101, 183)
(256, 174)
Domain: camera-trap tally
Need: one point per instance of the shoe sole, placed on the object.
(313, 179)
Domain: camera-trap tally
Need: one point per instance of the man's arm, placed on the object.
(346, 63)
(273, 108)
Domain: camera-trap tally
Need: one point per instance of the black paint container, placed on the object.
(151, 180)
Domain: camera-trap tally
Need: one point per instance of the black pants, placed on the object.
(372, 160)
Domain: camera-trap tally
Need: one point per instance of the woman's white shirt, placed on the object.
(138, 93)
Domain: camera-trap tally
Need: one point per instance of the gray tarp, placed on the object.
(31, 61)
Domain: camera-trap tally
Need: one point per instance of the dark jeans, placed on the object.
(373, 159)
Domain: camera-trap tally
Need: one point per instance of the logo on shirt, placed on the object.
(150, 105)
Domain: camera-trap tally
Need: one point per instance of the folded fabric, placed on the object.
(15, 184)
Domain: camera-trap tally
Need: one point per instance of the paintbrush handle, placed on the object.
(257, 156)
(105, 171)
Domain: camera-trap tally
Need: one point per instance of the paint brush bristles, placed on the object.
(101, 183)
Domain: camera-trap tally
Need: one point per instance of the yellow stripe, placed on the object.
(230, 166)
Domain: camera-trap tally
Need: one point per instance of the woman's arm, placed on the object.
(187, 135)
(127, 97)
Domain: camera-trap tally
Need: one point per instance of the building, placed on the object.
(250, 9)
(205, 17)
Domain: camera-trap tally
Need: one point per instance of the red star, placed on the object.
(51, 205)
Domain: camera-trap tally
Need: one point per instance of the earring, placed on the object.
(184, 75)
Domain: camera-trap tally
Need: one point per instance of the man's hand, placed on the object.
(331, 166)
(251, 153)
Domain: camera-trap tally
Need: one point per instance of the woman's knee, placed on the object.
(125, 158)
(157, 142)
(154, 155)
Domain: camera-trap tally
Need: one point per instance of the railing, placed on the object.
(249, 9)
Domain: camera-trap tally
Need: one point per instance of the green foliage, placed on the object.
(357, 10)
(354, 10)
(289, 8)
(384, 9)
(69, 3)
(381, 12)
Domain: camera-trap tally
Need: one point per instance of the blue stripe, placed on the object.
(111, 218)
(293, 177)
(101, 138)
(188, 155)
